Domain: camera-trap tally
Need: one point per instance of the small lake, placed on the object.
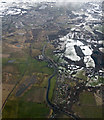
(18, 45)
(11, 61)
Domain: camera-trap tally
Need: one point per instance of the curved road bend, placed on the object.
(54, 107)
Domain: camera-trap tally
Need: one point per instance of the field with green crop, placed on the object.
(87, 107)
(23, 109)
(53, 82)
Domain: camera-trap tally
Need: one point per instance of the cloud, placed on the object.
(10, 1)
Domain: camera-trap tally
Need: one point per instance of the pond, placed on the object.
(18, 45)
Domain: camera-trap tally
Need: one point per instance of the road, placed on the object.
(3, 105)
(53, 106)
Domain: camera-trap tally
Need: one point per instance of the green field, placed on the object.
(87, 98)
(33, 102)
(39, 66)
(52, 86)
(22, 109)
(35, 94)
(87, 107)
(81, 75)
(29, 65)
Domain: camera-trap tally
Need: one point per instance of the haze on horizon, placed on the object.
(17, 1)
